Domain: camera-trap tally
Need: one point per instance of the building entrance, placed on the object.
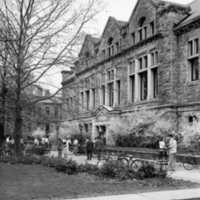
(101, 133)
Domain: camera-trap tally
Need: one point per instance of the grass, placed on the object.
(26, 182)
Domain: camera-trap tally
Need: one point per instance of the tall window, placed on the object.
(111, 75)
(93, 98)
(82, 99)
(193, 59)
(155, 82)
(110, 47)
(143, 85)
(154, 58)
(88, 99)
(193, 47)
(48, 110)
(118, 72)
(132, 88)
(103, 89)
(143, 62)
(111, 93)
(56, 110)
(132, 67)
(117, 47)
(103, 78)
(133, 38)
(194, 69)
(118, 91)
(152, 26)
(143, 29)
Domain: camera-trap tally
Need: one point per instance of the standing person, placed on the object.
(36, 142)
(162, 149)
(89, 149)
(60, 147)
(172, 152)
(66, 147)
(43, 140)
(98, 147)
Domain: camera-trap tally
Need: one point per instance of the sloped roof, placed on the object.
(95, 40)
(118, 22)
(194, 13)
(174, 3)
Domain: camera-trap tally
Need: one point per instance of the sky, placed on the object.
(121, 10)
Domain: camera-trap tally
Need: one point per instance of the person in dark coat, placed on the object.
(89, 149)
(60, 147)
(98, 147)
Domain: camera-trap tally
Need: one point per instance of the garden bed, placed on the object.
(22, 182)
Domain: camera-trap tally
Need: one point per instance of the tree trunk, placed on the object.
(17, 131)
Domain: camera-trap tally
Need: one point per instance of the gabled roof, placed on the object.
(119, 24)
(194, 13)
(94, 41)
(153, 2)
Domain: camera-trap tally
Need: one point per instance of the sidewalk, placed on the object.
(190, 194)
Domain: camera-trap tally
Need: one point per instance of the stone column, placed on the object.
(115, 88)
(149, 75)
(137, 83)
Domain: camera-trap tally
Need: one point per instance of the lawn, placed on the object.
(24, 182)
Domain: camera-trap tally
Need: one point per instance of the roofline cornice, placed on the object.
(193, 24)
(135, 46)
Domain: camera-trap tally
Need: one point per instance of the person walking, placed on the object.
(98, 147)
(60, 147)
(89, 149)
(172, 152)
(66, 147)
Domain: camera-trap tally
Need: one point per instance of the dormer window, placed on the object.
(143, 29)
(87, 55)
(133, 38)
(152, 26)
(110, 47)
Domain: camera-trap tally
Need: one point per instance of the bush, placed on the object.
(88, 168)
(117, 170)
(147, 170)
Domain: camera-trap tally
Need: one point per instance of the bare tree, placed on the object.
(42, 34)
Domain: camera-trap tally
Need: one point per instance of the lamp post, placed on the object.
(57, 129)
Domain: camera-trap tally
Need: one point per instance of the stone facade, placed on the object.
(145, 61)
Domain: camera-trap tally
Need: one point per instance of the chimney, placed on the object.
(66, 74)
(47, 93)
(39, 91)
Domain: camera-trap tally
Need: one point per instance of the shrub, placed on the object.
(147, 170)
(88, 168)
(117, 170)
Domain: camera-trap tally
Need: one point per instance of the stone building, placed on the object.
(151, 60)
(45, 114)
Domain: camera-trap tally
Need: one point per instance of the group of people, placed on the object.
(97, 145)
(43, 141)
(170, 147)
(63, 147)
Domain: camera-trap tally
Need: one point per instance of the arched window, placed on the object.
(110, 47)
(87, 55)
(141, 21)
(110, 40)
(142, 29)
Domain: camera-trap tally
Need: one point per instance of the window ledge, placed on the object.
(193, 82)
(193, 56)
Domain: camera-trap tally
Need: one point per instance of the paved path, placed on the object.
(181, 173)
